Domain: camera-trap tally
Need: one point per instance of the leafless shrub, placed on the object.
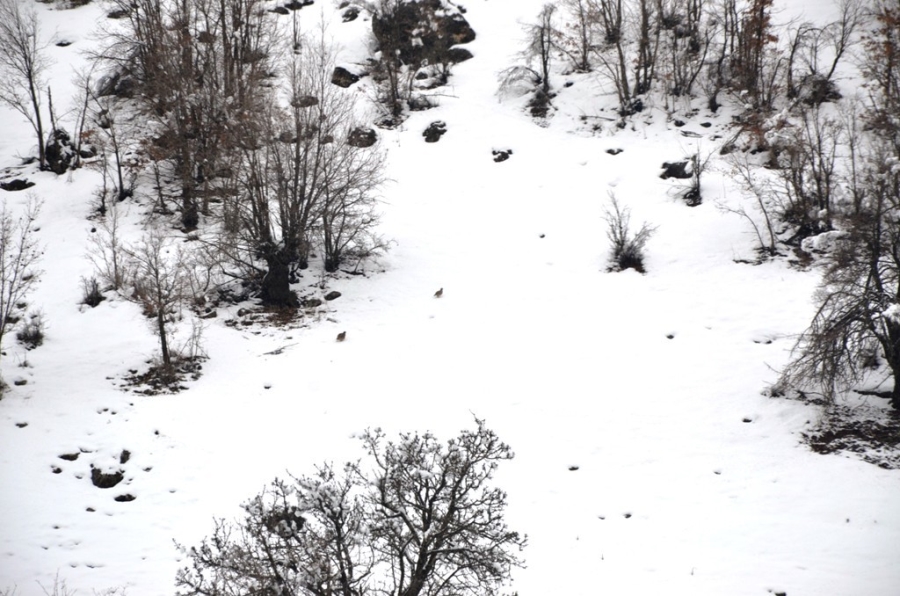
(626, 246)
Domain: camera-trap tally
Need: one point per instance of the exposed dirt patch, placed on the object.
(871, 439)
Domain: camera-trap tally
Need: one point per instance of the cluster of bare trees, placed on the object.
(852, 170)
(684, 47)
(414, 518)
(248, 139)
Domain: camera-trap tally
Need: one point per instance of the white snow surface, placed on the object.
(690, 480)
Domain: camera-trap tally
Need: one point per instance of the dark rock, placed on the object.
(20, 382)
(332, 295)
(706, 124)
(435, 131)
(56, 470)
(16, 184)
(102, 480)
(311, 303)
(209, 315)
(21, 424)
(457, 55)
(614, 151)
(59, 152)
(119, 13)
(421, 31)
(362, 137)
(679, 123)
(63, 43)
(501, 155)
(343, 77)
(679, 169)
(298, 4)
(350, 14)
(124, 456)
(69, 456)
(125, 498)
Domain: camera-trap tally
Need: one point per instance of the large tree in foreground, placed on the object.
(418, 517)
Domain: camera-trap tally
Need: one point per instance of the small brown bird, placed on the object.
(439, 293)
(341, 336)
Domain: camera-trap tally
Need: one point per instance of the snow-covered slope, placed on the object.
(689, 481)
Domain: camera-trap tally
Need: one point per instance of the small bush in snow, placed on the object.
(91, 294)
(626, 247)
(31, 334)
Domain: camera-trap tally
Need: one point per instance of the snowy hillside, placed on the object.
(648, 458)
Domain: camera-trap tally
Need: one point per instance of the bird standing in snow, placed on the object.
(439, 293)
(341, 336)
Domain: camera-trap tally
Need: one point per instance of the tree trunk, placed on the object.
(276, 290)
(163, 340)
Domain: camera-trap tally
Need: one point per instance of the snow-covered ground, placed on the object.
(690, 480)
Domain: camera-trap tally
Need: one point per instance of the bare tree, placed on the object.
(19, 255)
(159, 280)
(417, 517)
(578, 37)
(306, 537)
(22, 66)
(858, 318)
(303, 178)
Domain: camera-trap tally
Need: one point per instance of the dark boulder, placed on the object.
(16, 184)
(362, 137)
(681, 170)
(343, 77)
(435, 131)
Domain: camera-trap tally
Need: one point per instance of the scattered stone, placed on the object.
(679, 123)
(435, 131)
(101, 480)
(627, 516)
(56, 470)
(119, 13)
(747, 420)
(343, 77)
(501, 154)
(670, 336)
(310, 303)
(542, 236)
(16, 184)
(125, 456)
(332, 295)
(90, 510)
(706, 124)
(63, 43)
(20, 382)
(362, 137)
(573, 468)
(21, 424)
(125, 498)
(350, 14)
(69, 456)
(614, 151)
